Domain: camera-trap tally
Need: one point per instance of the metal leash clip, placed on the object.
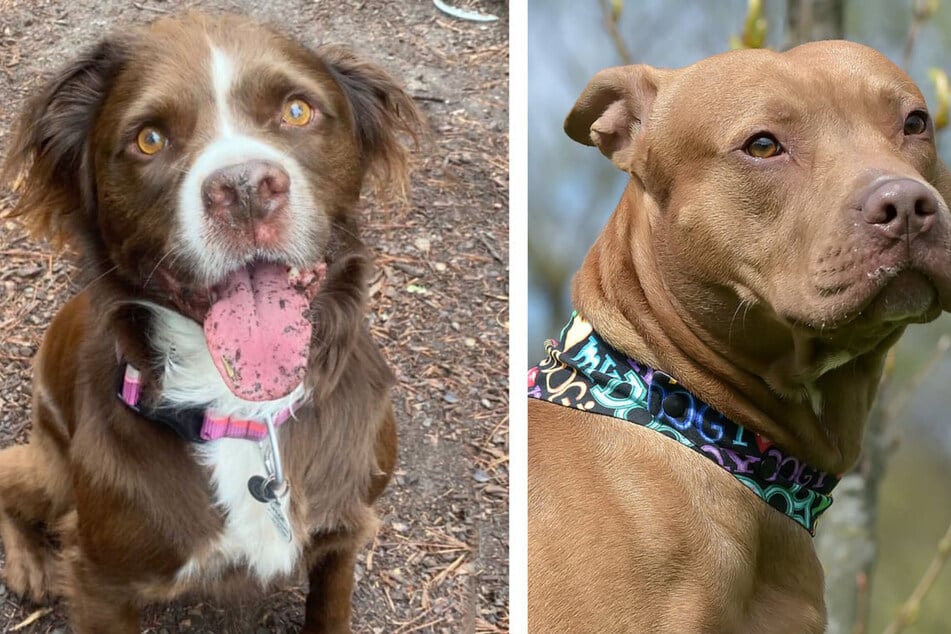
(273, 489)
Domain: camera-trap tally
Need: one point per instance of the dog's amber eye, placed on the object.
(916, 123)
(150, 140)
(763, 146)
(297, 112)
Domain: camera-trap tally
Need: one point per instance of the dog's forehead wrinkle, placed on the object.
(779, 88)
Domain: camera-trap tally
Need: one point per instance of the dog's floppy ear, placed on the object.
(382, 113)
(611, 111)
(48, 161)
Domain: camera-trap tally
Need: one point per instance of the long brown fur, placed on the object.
(103, 507)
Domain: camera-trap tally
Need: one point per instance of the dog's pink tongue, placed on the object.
(258, 333)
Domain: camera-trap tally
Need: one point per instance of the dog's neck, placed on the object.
(584, 372)
(815, 410)
(190, 397)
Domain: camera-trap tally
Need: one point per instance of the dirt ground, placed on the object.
(439, 307)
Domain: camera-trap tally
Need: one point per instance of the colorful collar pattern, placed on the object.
(584, 372)
(192, 424)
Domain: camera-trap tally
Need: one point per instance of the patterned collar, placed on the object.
(584, 372)
(191, 424)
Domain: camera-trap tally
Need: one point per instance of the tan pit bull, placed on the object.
(785, 219)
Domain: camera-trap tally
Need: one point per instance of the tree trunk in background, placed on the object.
(808, 20)
(846, 535)
(846, 539)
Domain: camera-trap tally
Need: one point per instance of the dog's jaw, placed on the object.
(810, 399)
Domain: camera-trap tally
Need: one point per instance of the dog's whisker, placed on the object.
(148, 278)
(99, 277)
(733, 320)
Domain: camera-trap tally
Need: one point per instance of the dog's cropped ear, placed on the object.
(611, 111)
(382, 113)
(48, 162)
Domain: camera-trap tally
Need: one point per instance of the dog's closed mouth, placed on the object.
(258, 328)
(907, 295)
(885, 296)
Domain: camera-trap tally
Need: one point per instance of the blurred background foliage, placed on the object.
(573, 190)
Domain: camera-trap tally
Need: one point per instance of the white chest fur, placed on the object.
(250, 536)
(190, 379)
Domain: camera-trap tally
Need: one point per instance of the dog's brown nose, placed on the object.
(253, 190)
(902, 208)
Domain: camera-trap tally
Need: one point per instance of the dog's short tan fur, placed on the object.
(771, 288)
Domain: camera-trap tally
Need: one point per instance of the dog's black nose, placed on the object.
(253, 190)
(902, 208)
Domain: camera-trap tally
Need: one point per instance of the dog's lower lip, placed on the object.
(897, 295)
(885, 295)
(904, 296)
(298, 275)
(884, 274)
(188, 300)
(195, 301)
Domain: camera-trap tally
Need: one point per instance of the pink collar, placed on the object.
(193, 424)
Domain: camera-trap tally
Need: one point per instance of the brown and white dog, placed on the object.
(785, 219)
(207, 168)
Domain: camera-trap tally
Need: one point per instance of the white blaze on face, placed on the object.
(249, 536)
(232, 144)
(222, 77)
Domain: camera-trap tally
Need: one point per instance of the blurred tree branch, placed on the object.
(808, 20)
(921, 11)
(908, 614)
(611, 13)
(754, 28)
(550, 272)
(846, 543)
